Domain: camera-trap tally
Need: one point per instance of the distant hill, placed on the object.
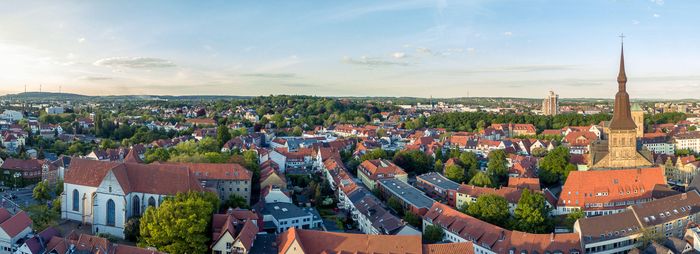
(48, 96)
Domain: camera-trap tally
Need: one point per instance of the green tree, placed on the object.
(156, 154)
(454, 173)
(180, 224)
(481, 179)
(498, 166)
(469, 160)
(433, 234)
(41, 191)
(412, 219)
(222, 135)
(539, 152)
(555, 166)
(414, 161)
(490, 208)
(572, 217)
(132, 228)
(532, 214)
(235, 201)
(438, 164)
(43, 217)
(58, 189)
(395, 204)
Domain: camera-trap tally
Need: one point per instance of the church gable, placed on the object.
(110, 184)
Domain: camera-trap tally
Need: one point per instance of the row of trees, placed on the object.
(531, 214)
(472, 121)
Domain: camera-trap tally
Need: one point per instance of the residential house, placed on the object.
(234, 232)
(602, 192)
(490, 239)
(622, 231)
(13, 229)
(411, 199)
(370, 171)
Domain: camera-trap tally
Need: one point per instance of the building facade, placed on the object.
(550, 105)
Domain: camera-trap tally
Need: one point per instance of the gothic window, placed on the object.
(136, 206)
(151, 201)
(76, 200)
(111, 214)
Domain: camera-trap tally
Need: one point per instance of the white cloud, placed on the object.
(134, 62)
(656, 15)
(508, 33)
(399, 55)
(659, 2)
(372, 61)
(81, 39)
(635, 22)
(471, 50)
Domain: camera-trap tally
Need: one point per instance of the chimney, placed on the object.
(551, 237)
(684, 196)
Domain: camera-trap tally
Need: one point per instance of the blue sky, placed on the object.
(351, 48)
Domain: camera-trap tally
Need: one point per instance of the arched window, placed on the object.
(76, 200)
(110, 213)
(151, 201)
(136, 206)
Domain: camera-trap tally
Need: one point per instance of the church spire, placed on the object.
(622, 76)
(622, 117)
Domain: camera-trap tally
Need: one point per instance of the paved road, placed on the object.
(23, 197)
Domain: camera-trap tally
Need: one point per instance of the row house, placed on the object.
(411, 199)
(14, 229)
(296, 162)
(461, 142)
(18, 172)
(437, 185)
(491, 239)
(370, 214)
(234, 232)
(579, 142)
(688, 140)
(370, 171)
(202, 133)
(13, 139)
(310, 242)
(85, 243)
(271, 176)
(658, 144)
(526, 146)
(621, 232)
(513, 130)
(522, 166)
(225, 179)
(245, 142)
(603, 192)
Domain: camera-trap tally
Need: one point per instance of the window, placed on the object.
(151, 201)
(76, 200)
(110, 213)
(136, 205)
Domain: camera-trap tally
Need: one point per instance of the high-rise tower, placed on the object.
(550, 105)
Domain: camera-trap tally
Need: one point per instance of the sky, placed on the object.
(414, 48)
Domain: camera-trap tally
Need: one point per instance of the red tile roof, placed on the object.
(312, 241)
(16, 224)
(600, 187)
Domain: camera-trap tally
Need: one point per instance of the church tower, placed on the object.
(620, 148)
(638, 117)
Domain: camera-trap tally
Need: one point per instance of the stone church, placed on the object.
(620, 149)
